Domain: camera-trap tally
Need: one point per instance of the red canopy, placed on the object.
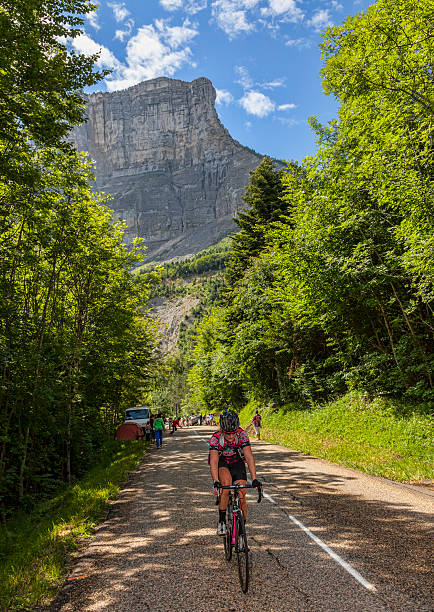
(128, 431)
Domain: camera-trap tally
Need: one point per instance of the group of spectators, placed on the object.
(211, 419)
(154, 430)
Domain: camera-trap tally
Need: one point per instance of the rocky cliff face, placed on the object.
(175, 173)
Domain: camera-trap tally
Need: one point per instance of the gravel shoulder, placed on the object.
(157, 549)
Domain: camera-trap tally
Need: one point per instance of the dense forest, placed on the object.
(329, 283)
(76, 345)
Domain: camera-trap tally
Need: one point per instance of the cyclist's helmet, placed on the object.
(229, 421)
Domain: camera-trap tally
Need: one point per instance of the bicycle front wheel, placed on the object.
(228, 541)
(242, 551)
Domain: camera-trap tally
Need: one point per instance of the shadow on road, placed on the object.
(158, 550)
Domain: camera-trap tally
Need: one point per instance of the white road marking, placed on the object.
(268, 497)
(354, 573)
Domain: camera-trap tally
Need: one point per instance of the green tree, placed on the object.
(76, 344)
(69, 305)
(363, 232)
(265, 205)
(379, 66)
(40, 80)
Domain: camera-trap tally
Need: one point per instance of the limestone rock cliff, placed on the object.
(175, 173)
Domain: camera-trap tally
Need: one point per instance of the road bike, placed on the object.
(236, 537)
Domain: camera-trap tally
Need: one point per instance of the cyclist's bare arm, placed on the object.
(214, 464)
(250, 461)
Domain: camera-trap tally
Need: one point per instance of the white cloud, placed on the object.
(93, 20)
(156, 50)
(248, 125)
(320, 20)
(223, 97)
(189, 6)
(237, 17)
(337, 6)
(244, 78)
(171, 5)
(128, 28)
(256, 103)
(283, 8)
(120, 11)
(84, 44)
(299, 43)
(287, 122)
(194, 6)
(285, 107)
(177, 35)
(231, 16)
(275, 83)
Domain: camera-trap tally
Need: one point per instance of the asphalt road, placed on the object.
(325, 538)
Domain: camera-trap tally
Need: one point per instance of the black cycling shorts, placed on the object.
(237, 469)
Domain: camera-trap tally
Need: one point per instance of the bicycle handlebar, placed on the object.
(238, 486)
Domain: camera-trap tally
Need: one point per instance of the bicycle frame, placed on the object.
(234, 509)
(236, 537)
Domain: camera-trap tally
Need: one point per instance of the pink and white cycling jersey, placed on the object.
(230, 452)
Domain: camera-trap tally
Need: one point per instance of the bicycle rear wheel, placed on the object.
(242, 551)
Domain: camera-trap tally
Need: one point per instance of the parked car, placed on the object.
(139, 415)
(194, 419)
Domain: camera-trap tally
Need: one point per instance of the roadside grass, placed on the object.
(35, 547)
(379, 437)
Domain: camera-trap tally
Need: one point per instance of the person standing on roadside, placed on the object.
(159, 426)
(151, 423)
(257, 424)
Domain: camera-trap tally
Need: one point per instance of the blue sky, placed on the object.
(261, 55)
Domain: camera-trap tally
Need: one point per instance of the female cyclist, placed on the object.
(229, 449)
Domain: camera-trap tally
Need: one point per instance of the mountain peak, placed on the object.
(175, 173)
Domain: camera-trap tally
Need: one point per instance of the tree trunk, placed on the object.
(68, 446)
(23, 467)
(278, 377)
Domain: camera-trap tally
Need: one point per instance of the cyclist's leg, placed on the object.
(242, 495)
(239, 475)
(225, 480)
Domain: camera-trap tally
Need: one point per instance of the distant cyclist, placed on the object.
(175, 425)
(256, 421)
(229, 450)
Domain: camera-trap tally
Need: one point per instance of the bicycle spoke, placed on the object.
(228, 536)
(242, 553)
(228, 542)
